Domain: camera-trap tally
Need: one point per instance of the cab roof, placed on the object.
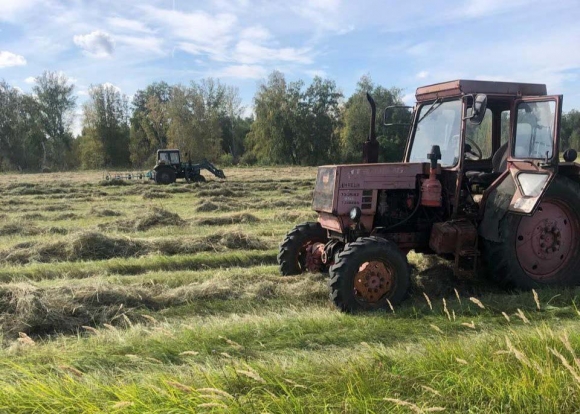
(464, 87)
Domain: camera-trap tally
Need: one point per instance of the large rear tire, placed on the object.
(368, 274)
(165, 176)
(543, 249)
(294, 250)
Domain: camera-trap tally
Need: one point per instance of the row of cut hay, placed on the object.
(40, 311)
(92, 245)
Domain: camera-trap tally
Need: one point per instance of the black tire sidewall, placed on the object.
(165, 176)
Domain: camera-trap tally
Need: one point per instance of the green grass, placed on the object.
(181, 328)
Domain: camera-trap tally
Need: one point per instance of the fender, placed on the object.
(496, 202)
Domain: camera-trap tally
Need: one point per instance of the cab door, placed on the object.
(534, 149)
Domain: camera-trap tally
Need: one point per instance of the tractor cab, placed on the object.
(169, 157)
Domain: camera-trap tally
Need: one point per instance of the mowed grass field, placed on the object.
(143, 298)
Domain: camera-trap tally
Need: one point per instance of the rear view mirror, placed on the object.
(476, 113)
(398, 115)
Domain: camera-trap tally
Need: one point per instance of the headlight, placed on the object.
(532, 184)
(355, 214)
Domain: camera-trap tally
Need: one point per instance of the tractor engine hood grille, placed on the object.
(339, 188)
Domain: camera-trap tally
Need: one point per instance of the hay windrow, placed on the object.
(152, 194)
(114, 183)
(155, 217)
(241, 218)
(21, 229)
(39, 312)
(93, 245)
(103, 212)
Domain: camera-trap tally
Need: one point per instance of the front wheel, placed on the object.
(369, 274)
(165, 176)
(542, 249)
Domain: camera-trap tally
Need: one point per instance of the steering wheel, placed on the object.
(478, 154)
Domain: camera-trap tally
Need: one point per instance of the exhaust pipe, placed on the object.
(371, 145)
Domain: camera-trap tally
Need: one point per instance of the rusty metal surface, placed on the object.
(463, 87)
(373, 281)
(546, 241)
(358, 183)
(453, 236)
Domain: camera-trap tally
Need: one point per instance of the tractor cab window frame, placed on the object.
(535, 129)
(174, 157)
(437, 123)
(484, 130)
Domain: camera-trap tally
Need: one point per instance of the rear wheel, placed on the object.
(543, 249)
(301, 249)
(368, 274)
(165, 176)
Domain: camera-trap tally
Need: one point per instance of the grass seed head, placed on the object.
(251, 374)
(428, 301)
(477, 302)
(536, 299)
(522, 316)
(179, 386)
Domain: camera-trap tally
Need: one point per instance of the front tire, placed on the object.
(292, 256)
(368, 274)
(543, 249)
(165, 176)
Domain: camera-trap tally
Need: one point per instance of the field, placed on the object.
(143, 298)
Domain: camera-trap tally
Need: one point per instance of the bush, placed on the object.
(227, 160)
(249, 158)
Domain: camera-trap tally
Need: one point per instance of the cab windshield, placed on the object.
(439, 124)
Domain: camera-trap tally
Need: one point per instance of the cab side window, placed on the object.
(480, 135)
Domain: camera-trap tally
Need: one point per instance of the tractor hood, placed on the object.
(339, 188)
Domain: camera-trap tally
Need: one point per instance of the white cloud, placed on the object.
(9, 59)
(97, 44)
(128, 25)
(11, 9)
(242, 72)
(422, 75)
(316, 72)
(110, 85)
(30, 80)
(255, 33)
(249, 52)
(200, 32)
(409, 99)
(142, 44)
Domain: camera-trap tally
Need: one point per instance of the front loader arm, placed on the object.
(212, 169)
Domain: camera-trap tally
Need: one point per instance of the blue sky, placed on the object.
(399, 43)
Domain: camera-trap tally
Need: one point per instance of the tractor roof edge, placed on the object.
(463, 87)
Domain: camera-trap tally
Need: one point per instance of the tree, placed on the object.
(105, 136)
(149, 122)
(20, 132)
(320, 120)
(56, 104)
(293, 125)
(356, 115)
(201, 115)
(570, 130)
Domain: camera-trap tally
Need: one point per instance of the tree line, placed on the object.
(292, 123)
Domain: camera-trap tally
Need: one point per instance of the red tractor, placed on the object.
(481, 180)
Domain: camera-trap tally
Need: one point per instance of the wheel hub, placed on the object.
(313, 259)
(373, 281)
(546, 241)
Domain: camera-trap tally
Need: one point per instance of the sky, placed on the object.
(404, 44)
